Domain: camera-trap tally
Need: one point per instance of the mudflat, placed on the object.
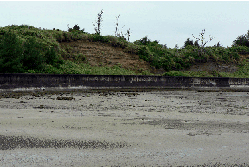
(157, 128)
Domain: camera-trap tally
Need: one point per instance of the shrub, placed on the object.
(240, 49)
(11, 53)
(76, 29)
(67, 36)
(188, 42)
(52, 57)
(242, 40)
(144, 53)
(176, 73)
(32, 55)
(99, 38)
(80, 57)
(132, 48)
(216, 74)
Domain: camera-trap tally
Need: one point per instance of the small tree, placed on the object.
(98, 22)
(128, 33)
(201, 47)
(116, 28)
(218, 45)
(196, 43)
(143, 41)
(202, 39)
(191, 42)
(242, 40)
(176, 46)
(188, 42)
(75, 28)
(120, 34)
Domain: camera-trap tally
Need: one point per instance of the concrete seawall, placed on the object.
(51, 82)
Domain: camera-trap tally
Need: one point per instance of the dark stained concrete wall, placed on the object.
(19, 82)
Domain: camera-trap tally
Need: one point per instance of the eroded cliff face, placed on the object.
(213, 66)
(217, 66)
(100, 54)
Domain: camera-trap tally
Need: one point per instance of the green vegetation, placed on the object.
(26, 49)
(180, 59)
(243, 72)
(242, 40)
(70, 67)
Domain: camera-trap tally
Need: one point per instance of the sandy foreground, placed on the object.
(158, 128)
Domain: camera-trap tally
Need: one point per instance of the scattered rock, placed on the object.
(65, 98)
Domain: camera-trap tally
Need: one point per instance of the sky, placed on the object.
(169, 22)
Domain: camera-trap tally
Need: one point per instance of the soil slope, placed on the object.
(101, 54)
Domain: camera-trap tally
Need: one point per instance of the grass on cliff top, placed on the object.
(26, 49)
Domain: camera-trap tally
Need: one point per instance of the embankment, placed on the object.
(53, 82)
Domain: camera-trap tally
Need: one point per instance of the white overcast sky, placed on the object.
(170, 22)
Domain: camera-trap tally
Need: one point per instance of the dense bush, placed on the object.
(26, 52)
(240, 49)
(179, 59)
(169, 59)
(11, 53)
(33, 58)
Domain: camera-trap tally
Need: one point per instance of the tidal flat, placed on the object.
(157, 128)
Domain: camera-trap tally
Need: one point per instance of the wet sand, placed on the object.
(168, 128)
